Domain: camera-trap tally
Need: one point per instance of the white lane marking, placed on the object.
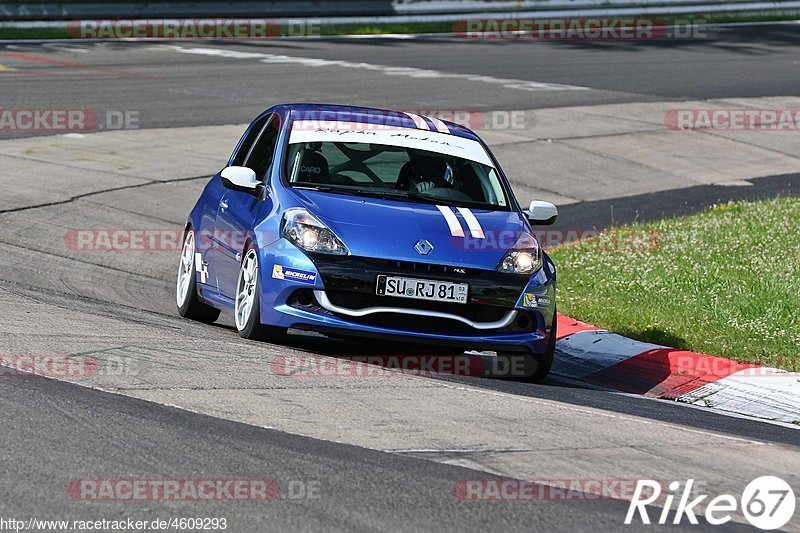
(65, 48)
(441, 127)
(458, 450)
(455, 226)
(411, 72)
(472, 222)
(418, 121)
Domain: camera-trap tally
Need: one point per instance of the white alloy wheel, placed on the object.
(246, 289)
(185, 269)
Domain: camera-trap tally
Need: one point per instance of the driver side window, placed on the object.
(263, 151)
(248, 140)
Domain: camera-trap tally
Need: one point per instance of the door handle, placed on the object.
(223, 204)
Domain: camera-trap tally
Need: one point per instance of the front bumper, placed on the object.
(505, 312)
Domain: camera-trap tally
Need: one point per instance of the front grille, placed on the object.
(350, 282)
(359, 275)
(305, 299)
(361, 300)
(410, 267)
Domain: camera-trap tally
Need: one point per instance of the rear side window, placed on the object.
(248, 140)
(263, 151)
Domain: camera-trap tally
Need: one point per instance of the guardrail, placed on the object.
(354, 11)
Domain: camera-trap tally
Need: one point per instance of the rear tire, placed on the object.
(189, 304)
(247, 307)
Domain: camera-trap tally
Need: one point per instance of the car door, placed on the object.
(238, 210)
(208, 241)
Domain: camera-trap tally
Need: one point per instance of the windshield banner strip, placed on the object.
(452, 221)
(305, 131)
(474, 226)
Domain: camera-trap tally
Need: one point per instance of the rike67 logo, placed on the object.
(767, 503)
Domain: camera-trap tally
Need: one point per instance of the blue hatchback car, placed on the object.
(375, 224)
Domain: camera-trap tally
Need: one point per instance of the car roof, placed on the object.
(403, 119)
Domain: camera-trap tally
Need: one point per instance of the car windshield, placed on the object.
(404, 173)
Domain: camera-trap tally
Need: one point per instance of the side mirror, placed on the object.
(541, 213)
(240, 179)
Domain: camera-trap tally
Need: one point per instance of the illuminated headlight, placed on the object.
(306, 232)
(524, 257)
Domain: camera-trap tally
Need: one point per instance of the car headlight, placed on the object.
(525, 257)
(306, 232)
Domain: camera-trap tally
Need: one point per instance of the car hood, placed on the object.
(389, 229)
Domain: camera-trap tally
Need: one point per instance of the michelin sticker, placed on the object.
(290, 274)
(532, 300)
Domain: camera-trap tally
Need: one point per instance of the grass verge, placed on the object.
(723, 282)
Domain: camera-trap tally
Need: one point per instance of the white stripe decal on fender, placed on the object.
(441, 127)
(452, 221)
(201, 267)
(474, 226)
(419, 121)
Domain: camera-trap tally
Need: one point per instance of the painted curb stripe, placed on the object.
(568, 326)
(472, 222)
(589, 354)
(665, 373)
(455, 227)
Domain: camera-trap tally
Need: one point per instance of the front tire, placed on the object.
(545, 362)
(189, 304)
(247, 307)
(541, 363)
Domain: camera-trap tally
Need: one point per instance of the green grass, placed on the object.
(723, 282)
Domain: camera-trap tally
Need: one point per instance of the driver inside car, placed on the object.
(423, 174)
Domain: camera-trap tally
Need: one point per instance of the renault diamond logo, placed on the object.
(423, 247)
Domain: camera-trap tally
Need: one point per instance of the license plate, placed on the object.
(422, 289)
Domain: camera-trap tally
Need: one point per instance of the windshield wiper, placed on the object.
(403, 196)
(326, 188)
(380, 193)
